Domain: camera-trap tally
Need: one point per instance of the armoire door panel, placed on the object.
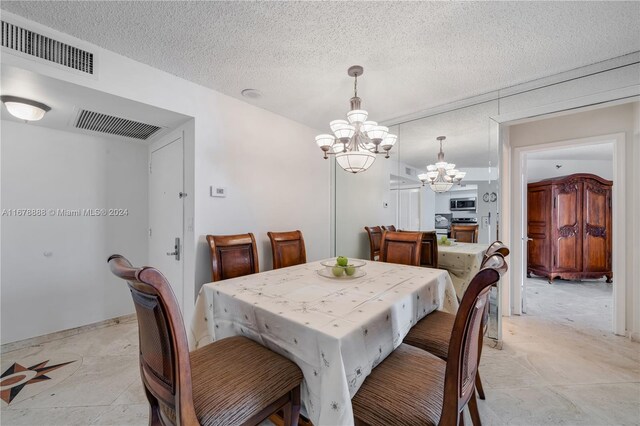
(567, 210)
(538, 218)
(597, 227)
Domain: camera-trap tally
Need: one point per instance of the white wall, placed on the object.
(273, 170)
(54, 269)
(546, 169)
(616, 119)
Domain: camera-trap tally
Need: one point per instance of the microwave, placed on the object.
(463, 204)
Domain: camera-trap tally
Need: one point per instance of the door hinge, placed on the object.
(182, 194)
(149, 232)
(149, 168)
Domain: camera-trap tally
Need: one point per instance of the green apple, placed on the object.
(350, 270)
(337, 270)
(342, 261)
(443, 238)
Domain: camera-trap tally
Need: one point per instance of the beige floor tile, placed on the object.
(116, 415)
(616, 403)
(134, 394)
(63, 416)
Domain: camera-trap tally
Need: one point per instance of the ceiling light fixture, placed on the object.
(356, 141)
(442, 175)
(24, 109)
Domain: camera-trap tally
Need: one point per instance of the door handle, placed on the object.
(529, 239)
(176, 250)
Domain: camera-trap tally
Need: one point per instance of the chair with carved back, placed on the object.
(375, 238)
(232, 256)
(288, 249)
(231, 381)
(464, 233)
(433, 332)
(429, 254)
(391, 228)
(401, 247)
(412, 386)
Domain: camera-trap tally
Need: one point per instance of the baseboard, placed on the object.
(38, 340)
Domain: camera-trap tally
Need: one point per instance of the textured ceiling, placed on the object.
(416, 54)
(603, 152)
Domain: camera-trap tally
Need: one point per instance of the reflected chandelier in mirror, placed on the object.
(356, 141)
(442, 175)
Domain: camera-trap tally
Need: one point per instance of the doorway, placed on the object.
(166, 210)
(522, 154)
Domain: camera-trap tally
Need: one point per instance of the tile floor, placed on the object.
(558, 365)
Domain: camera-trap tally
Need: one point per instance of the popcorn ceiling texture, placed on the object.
(416, 54)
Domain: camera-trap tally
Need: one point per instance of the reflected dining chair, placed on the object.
(231, 381)
(464, 233)
(232, 256)
(401, 247)
(287, 248)
(391, 228)
(375, 238)
(429, 254)
(495, 247)
(413, 387)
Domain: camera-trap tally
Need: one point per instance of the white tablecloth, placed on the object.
(463, 261)
(336, 331)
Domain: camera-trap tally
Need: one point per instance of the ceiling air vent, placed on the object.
(34, 44)
(408, 171)
(104, 123)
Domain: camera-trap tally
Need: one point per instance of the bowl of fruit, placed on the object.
(444, 241)
(342, 268)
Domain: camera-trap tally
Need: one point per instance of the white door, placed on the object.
(409, 214)
(166, 194)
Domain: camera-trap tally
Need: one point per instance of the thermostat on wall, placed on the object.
(218, 191)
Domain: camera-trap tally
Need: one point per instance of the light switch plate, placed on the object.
(218, 191)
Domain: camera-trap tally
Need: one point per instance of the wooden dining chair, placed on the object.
(414, 387)
(287, 248)
(375, 238)
(464, 233)
(429, 254)
(391, 228)
(231, 381)
(401, 247)
(232, 256)
(433, 332)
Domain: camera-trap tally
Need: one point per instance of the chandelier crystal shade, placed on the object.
(355, 141)
(441, 176)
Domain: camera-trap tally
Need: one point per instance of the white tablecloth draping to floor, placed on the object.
(335, 330)
(463, 261)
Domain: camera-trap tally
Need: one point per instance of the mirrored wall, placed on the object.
(390, 192)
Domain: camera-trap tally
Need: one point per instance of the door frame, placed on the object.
(618, 218)
(165, 140)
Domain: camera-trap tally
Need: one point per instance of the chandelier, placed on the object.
(355, 141)
(442, 175)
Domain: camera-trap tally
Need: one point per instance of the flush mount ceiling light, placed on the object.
(24, 109)
(356, 141)
(442, 175)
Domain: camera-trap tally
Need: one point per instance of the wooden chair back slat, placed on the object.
(288, 249)
(232, 256)
(429, 254)
(464, 233)
(401, 247)
(375, 238)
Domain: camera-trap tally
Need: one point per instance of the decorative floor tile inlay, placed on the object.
(17, 376)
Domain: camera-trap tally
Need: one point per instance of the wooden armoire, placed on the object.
(569, 227)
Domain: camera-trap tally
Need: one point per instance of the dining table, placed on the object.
(463, 261)
(337, 330)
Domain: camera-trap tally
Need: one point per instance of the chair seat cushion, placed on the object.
(432, 333)
(235, 378)
(407, 388)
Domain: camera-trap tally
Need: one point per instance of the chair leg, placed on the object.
(479, 386)
(292, 409)
(473, 411)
